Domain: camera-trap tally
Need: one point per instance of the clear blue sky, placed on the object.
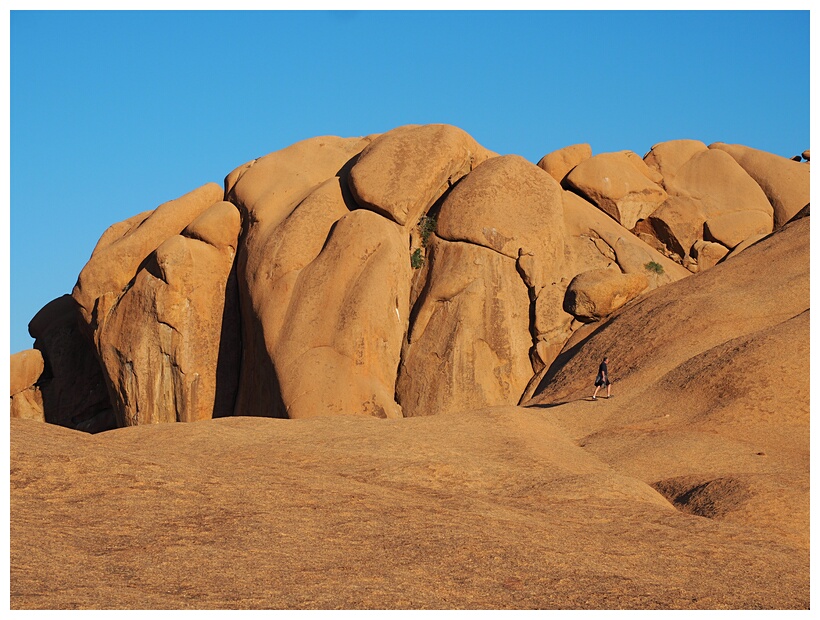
(113, 113)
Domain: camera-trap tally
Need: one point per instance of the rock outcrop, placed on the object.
(468, 342)
(405, 171)
(170, 343)
(340, 347)
(402, 274)
(281, 237)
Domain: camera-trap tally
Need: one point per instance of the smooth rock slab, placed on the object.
(341, 339)
(512, 207)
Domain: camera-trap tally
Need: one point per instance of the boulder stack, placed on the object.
(404, 274)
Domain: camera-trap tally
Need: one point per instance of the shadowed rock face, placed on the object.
(72, 385)
(409, 273)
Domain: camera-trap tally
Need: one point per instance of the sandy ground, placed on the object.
(494, 509)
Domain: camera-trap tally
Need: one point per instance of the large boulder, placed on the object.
(615, 185)
(678, 223)
(26, 399)
(708, 254)
(121, 251)
(595, 294)
(285, 227)
(25, 369)
(467, 346)
(719, 183)
(403, 172)
(559, 163)
(72, 385)
(732, 228)
(785, 182)
(668, 157)
(512, 207)
(641, 166)
(170, 345)
(340, 345)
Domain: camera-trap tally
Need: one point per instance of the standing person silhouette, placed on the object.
(602, 379)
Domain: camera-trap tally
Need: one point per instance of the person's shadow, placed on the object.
(564, 402)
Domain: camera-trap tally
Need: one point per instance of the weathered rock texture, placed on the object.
(711, 384)
(170, 344)
(418, 277)
(469, 339)
(340, 351)
(122, 249)
(595, 294)
(403, 274)
(285, 228)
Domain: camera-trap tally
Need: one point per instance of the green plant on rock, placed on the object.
(654, 267)
(417, 259)
(427, 226)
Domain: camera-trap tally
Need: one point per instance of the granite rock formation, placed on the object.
(402, 274)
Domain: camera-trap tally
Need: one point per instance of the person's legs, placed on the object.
(608, 389)
(597, 387)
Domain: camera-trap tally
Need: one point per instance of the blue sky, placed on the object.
(113, 113)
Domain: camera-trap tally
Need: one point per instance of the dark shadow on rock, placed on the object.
(229, 356)
(72, 383)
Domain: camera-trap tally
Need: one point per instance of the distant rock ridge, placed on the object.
(403, 274)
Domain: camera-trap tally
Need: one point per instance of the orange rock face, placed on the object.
(615, 185)
(26, 398)
(559, 163)
(170, 344)
(431, 316)
(785, 182)
(408, 273)
(403, 172)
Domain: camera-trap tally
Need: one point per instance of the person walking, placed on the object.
(602, 379)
